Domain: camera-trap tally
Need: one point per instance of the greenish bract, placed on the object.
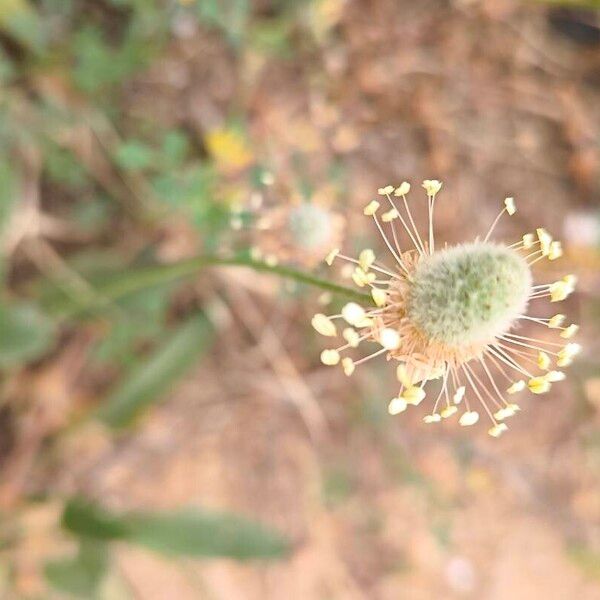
(468, 293)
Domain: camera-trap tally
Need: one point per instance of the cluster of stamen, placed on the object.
(466, 373)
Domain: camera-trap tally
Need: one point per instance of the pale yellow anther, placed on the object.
(402, 375)
(331, 256)
(448, 411)
(517, 386)
(348, 366)
(379, 296)
(361, 278)
(324, 325)
(570, 280)
(555, 251)
(390, 215)
(503, 413)
(330, 357)
(459, 394)
(433, 418)
(511, 208)
(396, 406)
(538, 385)
(389, 338)
(543, 361)
(371, 208)
(566, 354)
(351, 336)
(514, 407)
(402, 189)
(545, 240)
(497, 430)
(528, 240)
(432, 186)
(384, 191)
(556, 321)
(564, 360)
(353, 313)
(559, 290)
(364, 322)
(413, 395)
(569, 331)
(366, 258)
(469, 418)
(554, 376)
(572, 349)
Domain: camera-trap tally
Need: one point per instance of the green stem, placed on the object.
(135, 280)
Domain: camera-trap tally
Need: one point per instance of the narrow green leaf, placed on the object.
(80, 576)
(186, 532)
(194, 533)
(25, 334)
(88, 520)
(146, 383)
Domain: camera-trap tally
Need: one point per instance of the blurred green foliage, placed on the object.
(155, 375)
(96, 173)
(185, 532)
(81, 575)
(25, 333)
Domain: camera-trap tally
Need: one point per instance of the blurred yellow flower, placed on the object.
(229, 149)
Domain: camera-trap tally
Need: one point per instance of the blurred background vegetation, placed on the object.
(166, 430)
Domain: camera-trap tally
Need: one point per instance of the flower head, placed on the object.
(299, 229)
(449, 316)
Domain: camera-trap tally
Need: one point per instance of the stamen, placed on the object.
(485, 406)
(369, 357)
(538, 320)
(419, 246)
(500, 368)
(397, 213)
(457, 387)
(523, 337)
(527, 241)
(389, 217)
(518, 343)
(387, 243)
(431, 203)
(483, 386)
(493, 226)
(532, 262)
(491, 378)
(507, 360)
(437, 400)
(374, 266)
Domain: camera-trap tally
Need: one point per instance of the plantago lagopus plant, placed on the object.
(449, 315)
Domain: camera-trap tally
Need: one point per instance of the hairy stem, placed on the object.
(135, 280)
